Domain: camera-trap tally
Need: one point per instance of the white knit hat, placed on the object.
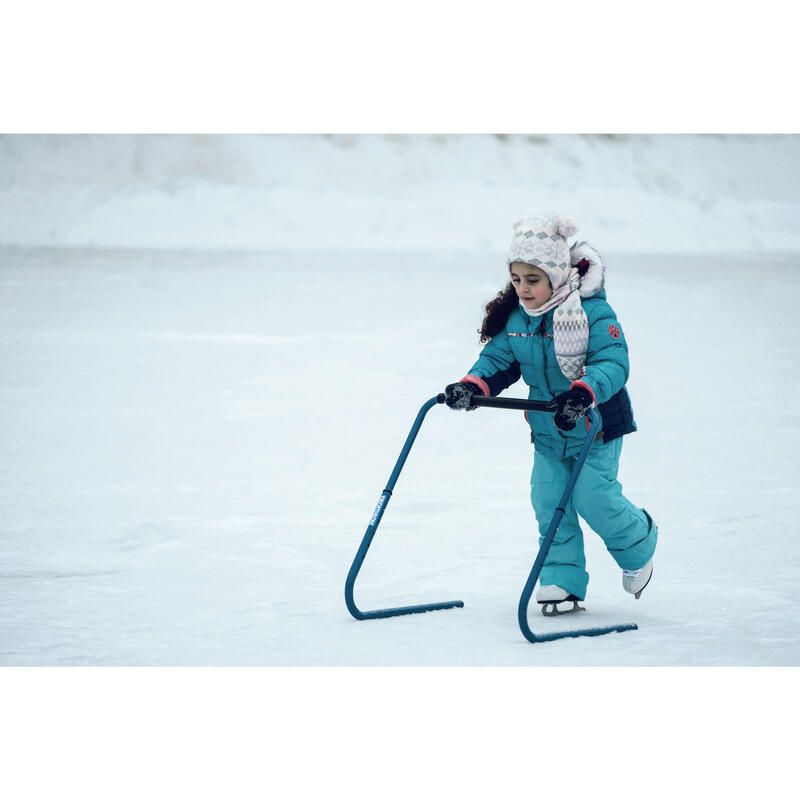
(542, 242)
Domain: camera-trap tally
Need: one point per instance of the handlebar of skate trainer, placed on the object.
(514, 403)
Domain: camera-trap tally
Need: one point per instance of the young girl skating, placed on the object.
(553, 326)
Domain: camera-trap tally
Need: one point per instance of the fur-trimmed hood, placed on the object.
(590, 266)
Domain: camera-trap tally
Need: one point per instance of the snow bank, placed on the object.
(633, 194)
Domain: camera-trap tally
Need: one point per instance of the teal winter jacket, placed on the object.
(525, 346)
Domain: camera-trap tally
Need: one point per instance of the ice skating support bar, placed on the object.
(513, 403)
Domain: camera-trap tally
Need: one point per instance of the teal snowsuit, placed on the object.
(628, 532)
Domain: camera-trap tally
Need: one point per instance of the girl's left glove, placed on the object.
(569, 407)
(459, 395)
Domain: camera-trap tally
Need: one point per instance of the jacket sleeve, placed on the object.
(496, 368)
(607, 367)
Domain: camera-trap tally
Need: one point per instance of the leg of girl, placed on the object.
(628, 532)
(565, 565)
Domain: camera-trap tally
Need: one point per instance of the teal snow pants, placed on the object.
(628, 532)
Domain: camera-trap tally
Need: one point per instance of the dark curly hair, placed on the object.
(497, 312)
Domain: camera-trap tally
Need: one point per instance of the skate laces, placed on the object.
(632, 573)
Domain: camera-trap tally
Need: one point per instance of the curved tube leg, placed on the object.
(522, 612)
(373, 526)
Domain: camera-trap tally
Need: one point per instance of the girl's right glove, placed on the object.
(459, 395)
(569, 407)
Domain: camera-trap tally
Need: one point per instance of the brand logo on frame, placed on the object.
(379, 508)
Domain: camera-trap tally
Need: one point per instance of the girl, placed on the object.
(553, 326)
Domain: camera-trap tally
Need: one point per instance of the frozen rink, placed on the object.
(194, 444)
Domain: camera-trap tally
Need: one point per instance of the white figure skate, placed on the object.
(549, 597)
(635, 580)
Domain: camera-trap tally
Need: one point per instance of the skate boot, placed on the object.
(634, 580)
(549, 597)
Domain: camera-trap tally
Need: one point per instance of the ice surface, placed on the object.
(176, 491)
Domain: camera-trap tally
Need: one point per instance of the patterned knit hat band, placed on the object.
(542, 242)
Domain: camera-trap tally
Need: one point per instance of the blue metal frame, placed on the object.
(373, 526)
(522, 613)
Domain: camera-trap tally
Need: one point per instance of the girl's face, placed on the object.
(531, 283)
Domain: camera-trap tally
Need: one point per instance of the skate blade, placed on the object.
(639, 593)
(552, 609)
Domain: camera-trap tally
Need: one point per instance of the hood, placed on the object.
(590, 266)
